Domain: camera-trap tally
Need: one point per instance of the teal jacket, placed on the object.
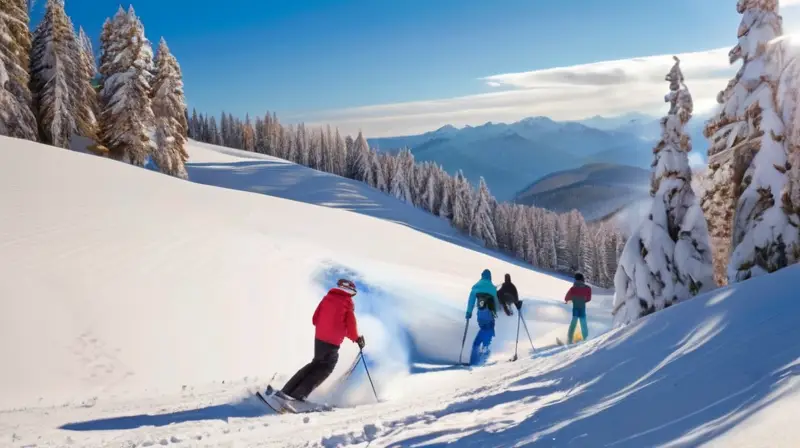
(484, 286)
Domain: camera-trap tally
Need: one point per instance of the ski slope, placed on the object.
(142, 310)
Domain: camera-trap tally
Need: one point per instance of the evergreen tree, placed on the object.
(248, 135)
(126, 116)
(482, 226)
(168, 105)
(87, 118)
(446, 197)
(56, 72)
(400, 188)
(377, 169)
(430, 195)
(194, 126)
(339, 154)
(16, 113)
(668, 258)
(362, 167)
(461, 202)
(214, 136)
(748, 156)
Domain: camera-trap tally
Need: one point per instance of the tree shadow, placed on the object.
(684, 376)
(246, 408)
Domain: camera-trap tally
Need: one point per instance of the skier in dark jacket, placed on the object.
(507, 294)
(334, 320)
(580, 294)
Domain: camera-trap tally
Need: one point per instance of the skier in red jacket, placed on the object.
(334, 320)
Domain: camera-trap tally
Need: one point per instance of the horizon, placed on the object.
(413, 67)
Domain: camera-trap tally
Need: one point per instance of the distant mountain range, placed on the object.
(511, 156)
(597, 190)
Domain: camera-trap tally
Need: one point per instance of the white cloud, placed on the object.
(564, 93)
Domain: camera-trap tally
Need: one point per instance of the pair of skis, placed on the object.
(516, 346)
(284, 404)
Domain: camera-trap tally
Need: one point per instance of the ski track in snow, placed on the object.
(705, 372)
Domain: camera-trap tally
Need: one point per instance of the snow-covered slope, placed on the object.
(119, 282)
(138, 310)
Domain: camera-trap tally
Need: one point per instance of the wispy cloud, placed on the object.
(564, 93)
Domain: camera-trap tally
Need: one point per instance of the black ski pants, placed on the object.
(314, 373)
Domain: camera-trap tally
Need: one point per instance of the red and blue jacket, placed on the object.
(580, 294)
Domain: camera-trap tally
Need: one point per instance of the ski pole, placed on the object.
(516, 346)
(463, 341)
(368, 375)
(529, 334)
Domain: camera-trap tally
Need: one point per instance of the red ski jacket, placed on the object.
(335, 319)
(579, 291)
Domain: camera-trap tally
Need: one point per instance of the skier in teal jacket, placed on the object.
(484, 294)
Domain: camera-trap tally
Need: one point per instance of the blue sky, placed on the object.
(308, 59)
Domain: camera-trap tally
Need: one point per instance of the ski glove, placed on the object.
(469, 315)
(360, 341)
(519, 305)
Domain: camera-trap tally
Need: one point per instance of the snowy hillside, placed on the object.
(120, 282)
(140, 310)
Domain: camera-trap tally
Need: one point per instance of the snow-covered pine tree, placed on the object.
(362, 162)
(525, 234)
(168, 104)
(194, 131)
(214, 136)
(399, 187)
(430, 196)
(501, 219)
(301, 145)
(89, 108)
(248, 135)
(482, 226)
(461, 202)
(377, 172)
(547, 250)
(446, 195)
(339, 154)
(56, 72)
(352, 158)
(761, 231)
(668, 258)
(789, 104)
(126, 116)
(566, 262)
(747, 156)
(16, 113)
(588, 253)
(260, 135)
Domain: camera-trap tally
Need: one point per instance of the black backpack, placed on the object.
(486, 301)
